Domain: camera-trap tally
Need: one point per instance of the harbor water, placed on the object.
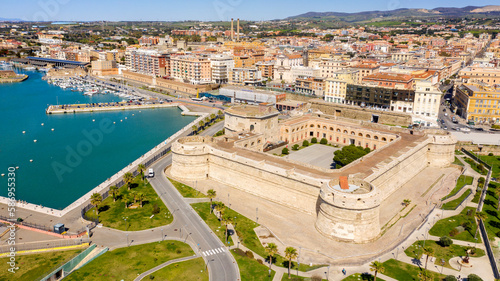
(62, 157)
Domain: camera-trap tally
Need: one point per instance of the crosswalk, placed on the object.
(214, 251)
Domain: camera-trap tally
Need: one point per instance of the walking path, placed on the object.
(140, 277)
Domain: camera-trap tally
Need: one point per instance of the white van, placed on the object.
(151, 173)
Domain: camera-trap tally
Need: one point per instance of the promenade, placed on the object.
(109, 106)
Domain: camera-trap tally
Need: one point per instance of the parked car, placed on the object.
(151, 173)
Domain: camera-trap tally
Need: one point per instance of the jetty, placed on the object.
(107, 106)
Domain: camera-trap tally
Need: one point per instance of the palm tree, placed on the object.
(479, 216)
(133, 193)
(113, 190)
(206, 119)
(271, 250)
(127, 198)
(212, 116)
(219, 113)
(227, 220)
(141, 168)
(127, 178)
(141, 197)
(406, 202)
(290, 254)
(194, 129)
(376, 267)
(211, 194)
(219, 207)
(428, 251)
(201, 124)
(95, 200)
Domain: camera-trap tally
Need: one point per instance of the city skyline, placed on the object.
(217, 10)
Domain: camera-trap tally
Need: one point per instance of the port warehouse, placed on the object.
(251, 95)
(42, 62)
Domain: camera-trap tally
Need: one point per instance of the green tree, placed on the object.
(211, 194)
(497, 193)
(314, 140)
(445, 241)
(376, 267)
(406, 202)
(285, 151)
(201, 124)
(133, 194)
(474, 277)
(194, 128)
(271, 250)
(226, 221)
(295, 147)
(113, 190)
(348, 154)
(429, 252)
(305, 143)
(290, 254)
(95, 200)
(220, 207)
(141, 197)
(212, 116)
(128, 178)
(450, 278)
(141, 168)
(323, 141)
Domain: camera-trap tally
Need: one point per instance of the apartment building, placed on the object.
(487, 75)
(478, 103)
(191, 69)
(365, 70)
(150, 62)
(313, 86)
(390, 80)
(335, 87)
(427, 99)
(221, 66)
(266, 69)
(245, 76)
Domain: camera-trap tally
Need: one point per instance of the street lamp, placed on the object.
(162, 236)
(127, 239)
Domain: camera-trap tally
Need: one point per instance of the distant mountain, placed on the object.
(401, 13)
(7, 19)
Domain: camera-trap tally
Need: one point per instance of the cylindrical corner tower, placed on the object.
(441, 150)
(190, 158)
(349, 212)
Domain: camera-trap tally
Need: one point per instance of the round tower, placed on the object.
(349, 210)
(190, 158)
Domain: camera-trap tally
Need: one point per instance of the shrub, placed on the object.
(490, 154)
(239, 252)
(474, 277)
(323, 141)
(316, 278)
(348, 154)
(151, 277)
(260, 261)
(285, 151)
(305, 143)
(249, 254)
(445, 241)
(295, 147)
(314, 140)
(156, 209)
(453, 232)
(481, 180)
(450, 278)
(480, 167)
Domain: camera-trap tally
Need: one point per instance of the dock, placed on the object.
(108, 106)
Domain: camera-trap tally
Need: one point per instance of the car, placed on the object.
(444, 109)
(479, 129)
(445, 127)
(446, 114)
(151, 173)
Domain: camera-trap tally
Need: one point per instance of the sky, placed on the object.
(204, 10)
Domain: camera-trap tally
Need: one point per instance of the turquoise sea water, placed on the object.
(82, 151)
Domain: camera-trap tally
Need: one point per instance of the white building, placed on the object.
(426, 103)
(221, 65)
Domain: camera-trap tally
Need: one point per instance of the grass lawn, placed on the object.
(492, 222)
(113, 214)
(445, 253)
(126, 263)
(35, 266)
(187, 270)
(461, 182)
(203, 209)
(458, 152)
(457, 162)
(361, 276)
(187, 191)
(475, 165)
(452, 205)
(444, 226)
(250, 269)
(494, 162)
(404, 271)
(245, 229)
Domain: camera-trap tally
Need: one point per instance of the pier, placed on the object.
(108, 106)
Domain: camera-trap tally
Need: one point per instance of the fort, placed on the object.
(345, 202)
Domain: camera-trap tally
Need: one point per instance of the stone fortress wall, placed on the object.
(350, 217)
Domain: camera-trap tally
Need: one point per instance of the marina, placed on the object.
(94, 107)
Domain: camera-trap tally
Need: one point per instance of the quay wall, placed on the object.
(55, 110)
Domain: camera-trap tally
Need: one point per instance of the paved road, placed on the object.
(222, 265)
